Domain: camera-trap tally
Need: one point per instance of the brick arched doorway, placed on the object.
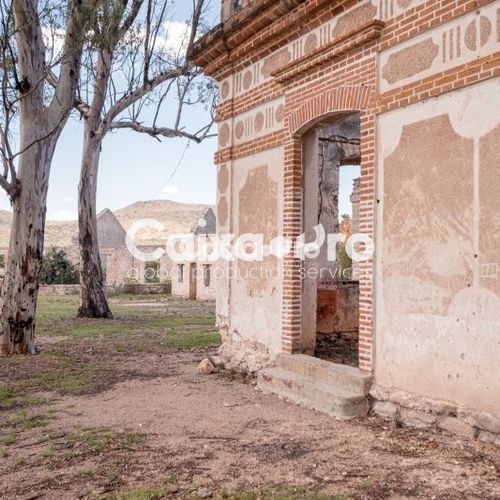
(326, 108)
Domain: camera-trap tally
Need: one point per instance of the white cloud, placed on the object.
(69, 199)
(171, 189)
(54, 41)
(176, 36)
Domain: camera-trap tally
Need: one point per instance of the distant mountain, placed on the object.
(175, 217)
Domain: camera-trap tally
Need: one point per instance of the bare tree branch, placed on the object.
(158, 132)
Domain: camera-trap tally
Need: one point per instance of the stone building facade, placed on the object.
(196, 279)
(422, 80)
(119, 265)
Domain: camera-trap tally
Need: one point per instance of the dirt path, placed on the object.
(115, 409)
(209, 434)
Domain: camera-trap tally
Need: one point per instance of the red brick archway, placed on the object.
(347, 98)
(312, 111)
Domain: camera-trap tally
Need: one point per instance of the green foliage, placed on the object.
(344, 263)
(58, 270)
(152, 272)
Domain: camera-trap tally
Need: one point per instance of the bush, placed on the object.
(344, 263)
(57, 269)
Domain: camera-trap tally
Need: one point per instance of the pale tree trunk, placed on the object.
(93, 302)
(40, 128)
(20, 285)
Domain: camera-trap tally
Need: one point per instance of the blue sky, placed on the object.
(135, 167)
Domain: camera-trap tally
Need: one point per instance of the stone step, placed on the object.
(348, 378)
(301, 389)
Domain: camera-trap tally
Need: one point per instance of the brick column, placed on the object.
(292, 227)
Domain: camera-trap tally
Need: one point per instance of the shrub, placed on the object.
(57, 269)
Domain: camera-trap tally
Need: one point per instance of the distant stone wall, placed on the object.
(135, 288)
(59, 290)
(147, 288)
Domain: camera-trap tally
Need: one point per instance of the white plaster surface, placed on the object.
(428, 342)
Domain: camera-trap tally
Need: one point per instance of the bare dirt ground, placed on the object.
(126, 415)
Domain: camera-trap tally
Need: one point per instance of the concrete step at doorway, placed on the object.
(329, 398)
(346, 377)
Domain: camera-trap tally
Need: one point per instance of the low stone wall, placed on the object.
(147, 288)
(415, 411)
(59, 289)
(132, 288)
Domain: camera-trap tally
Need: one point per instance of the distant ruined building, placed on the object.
(194, 279)
(409, 90)
(122, 268)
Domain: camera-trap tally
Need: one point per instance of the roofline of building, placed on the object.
(212, 51)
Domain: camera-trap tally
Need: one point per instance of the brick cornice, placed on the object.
(230, 41)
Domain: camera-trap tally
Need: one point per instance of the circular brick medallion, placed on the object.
(239, 130)
(224, 134)
(258, 121)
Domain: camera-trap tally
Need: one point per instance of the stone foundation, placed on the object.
(416, 411)
(244, 356)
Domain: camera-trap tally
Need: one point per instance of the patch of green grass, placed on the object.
(142, 493)
(145, 492)
(48, 453)
(194, 338)
(74, 383)
(98, 440)
(180, 325)
(88, 444)
(8, 439)
(23, 421)
(280, 493)
(11, 398)
(8, 397)
(80, 363)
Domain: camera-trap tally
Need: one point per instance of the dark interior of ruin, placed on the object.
(337, 301)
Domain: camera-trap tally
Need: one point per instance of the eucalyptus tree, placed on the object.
(132, 72)
(32, 117)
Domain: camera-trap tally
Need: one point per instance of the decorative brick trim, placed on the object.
(345, 98)
(249, 148)
(268, 91)
(461, 76)
(337, 48)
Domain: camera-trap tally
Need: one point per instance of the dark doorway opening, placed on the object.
(331, 199)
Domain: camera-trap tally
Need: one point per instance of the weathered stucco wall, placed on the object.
(180, 287)
(205, 289)
(429, 172)
(254, 294)
(438, 327)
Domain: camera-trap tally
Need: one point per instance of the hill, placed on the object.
(175, 217)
